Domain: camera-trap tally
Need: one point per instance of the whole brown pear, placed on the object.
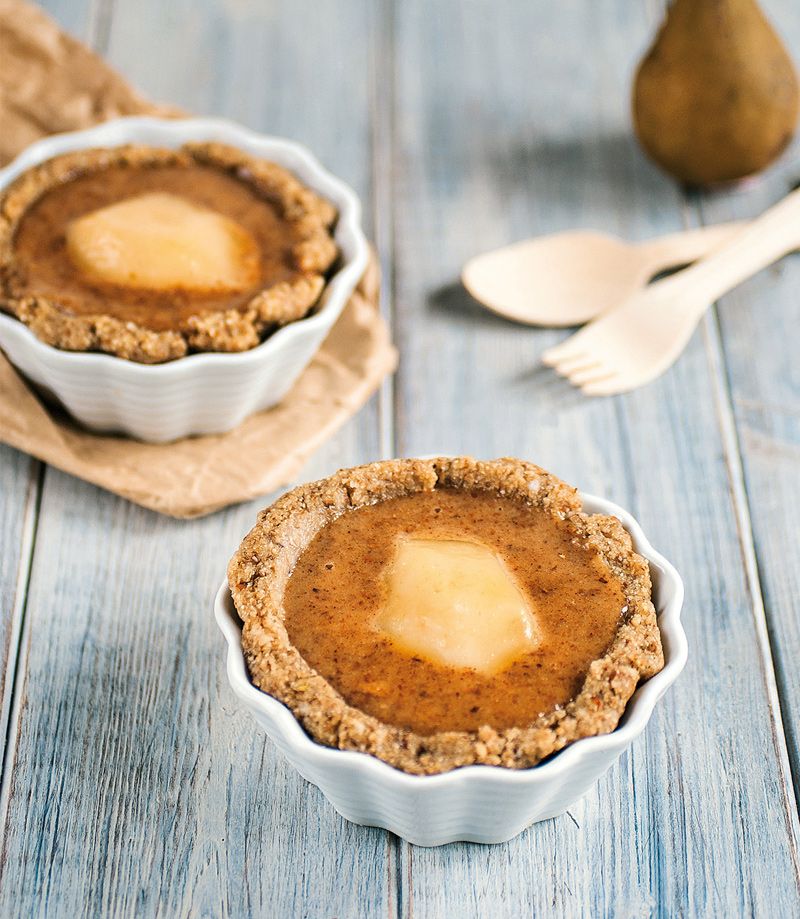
(716, 96)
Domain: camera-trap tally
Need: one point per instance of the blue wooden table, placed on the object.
(132, 784)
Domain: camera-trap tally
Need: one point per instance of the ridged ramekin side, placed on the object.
(205, 393)
(477, 803)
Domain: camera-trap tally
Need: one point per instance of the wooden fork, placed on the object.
(639, 339)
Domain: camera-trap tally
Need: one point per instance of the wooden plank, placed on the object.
(120, 799)
(512, 121)
(78, 17)
(20, 480)
(139, 787)
(139, 784)
(757, 325)
(19, 488)
(272, 69)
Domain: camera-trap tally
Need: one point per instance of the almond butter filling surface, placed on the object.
(312, 634)
(339, 585)
(66, 297)
(45, 269)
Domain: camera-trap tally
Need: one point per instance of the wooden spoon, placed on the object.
(569, 278)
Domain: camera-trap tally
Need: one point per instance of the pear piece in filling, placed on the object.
(160, 241)
(454, 603)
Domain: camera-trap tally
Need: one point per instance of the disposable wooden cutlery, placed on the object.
(569, 278)
(639, 339)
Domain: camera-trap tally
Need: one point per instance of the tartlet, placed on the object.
(81, 315)
(263, 566)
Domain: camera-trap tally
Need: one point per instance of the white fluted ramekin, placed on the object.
(206, 393)
(486, 804)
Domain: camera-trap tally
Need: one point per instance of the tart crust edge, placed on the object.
(218, 330)
(260, 569)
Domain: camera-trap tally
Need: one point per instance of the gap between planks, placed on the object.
(97, 35)
(17, 647)
(98, 29)
(731, 443)
(733, 458)
(384, 115)
(729, 434)
(383, 109)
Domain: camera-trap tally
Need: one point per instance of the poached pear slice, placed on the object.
(454, 603)
(160, 241)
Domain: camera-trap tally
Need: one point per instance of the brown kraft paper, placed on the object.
(49, 82)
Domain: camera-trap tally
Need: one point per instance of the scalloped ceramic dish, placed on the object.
(488, 804)
(206, 393)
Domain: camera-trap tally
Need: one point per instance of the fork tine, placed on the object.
(594, 373)
(567, 350)
(607, 386)
(571, 365)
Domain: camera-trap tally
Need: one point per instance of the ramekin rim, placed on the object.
(637, 714)
(339, 287)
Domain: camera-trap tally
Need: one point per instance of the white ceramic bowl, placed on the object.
(205, 393)
(486, 804)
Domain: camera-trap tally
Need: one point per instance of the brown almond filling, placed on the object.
(340, 587)
(44, 268)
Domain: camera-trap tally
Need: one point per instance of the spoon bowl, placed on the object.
(638, 340)
(569, 278)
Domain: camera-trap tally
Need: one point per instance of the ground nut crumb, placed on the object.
(260, 569)
(313, 254)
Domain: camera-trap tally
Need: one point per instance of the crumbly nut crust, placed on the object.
(261, 567)
(228, 330)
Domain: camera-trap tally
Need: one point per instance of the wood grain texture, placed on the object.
(757, 328)
(139, 786)
(20, 481)
(19, 484)
(136, 786)
(489, 157)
